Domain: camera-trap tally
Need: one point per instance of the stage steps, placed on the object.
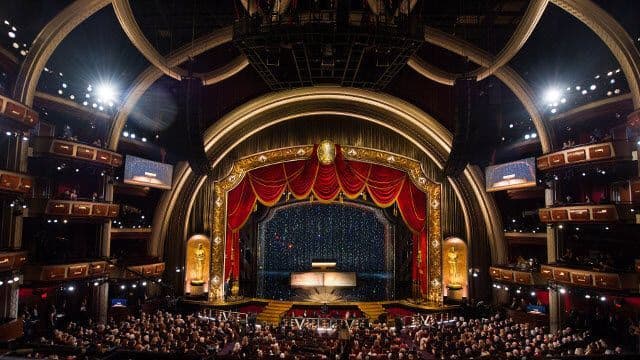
(372, 310)
(273, 311)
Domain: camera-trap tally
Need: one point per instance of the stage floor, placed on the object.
(418, 307)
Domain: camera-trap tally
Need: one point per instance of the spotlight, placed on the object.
(534, 135)
(144, 283)
(12, 34)
(85, 103)
(133, 136)
(518, 291)
(15, 278)
(506, 288)
(72, 97)
(475, 274)
(159, 280)
(527, 136)
(95, 283)
(125, 133)
(77, 170)
(592, 87)
(8, 133)
(584, 92)
(10, 281)
(71, 288)
(560, 226)
(562, 291)
(144, 139)
(510, 126)
(106, 92)
(603, 298)
(134, 286)
(587, 296)
(122, 287)
(552, 95)
(1, 282)
(533, 293)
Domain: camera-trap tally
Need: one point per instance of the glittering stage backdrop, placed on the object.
(356, 237)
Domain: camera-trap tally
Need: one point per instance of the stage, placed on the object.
(271, 311)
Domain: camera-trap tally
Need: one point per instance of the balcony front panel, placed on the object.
(19, 114)
(81, 209)
(12, 260)
(15, 182)
(137, 271)
(592, 279)
(580, 214)
(64, 272)
(69, 149)
(619, 150)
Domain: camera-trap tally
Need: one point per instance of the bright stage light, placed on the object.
(552, 95)
(106, 92)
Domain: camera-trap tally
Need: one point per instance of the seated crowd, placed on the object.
(495, 337)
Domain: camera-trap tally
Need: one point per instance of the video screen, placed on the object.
(143, 172)
(514, 175)
(323, 278)
(307, 279)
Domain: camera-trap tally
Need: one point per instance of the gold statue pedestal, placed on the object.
(454, 292)
(197, 288)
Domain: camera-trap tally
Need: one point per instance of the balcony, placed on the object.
(46, 146)
(65, 272)
(589, 278)
(588, 213)
(601, 152)
(137, 271)
(14, 182)
(82, 209)
(17, 115)
(516, 276)
(12, 260)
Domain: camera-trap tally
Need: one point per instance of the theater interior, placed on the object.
(319, 179)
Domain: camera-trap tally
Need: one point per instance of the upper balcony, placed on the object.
(17, 115)
(612, 151)
(65, 272)
(12, 260)
(82, 209)
(590, 278)
(14, 182)
(588, 213)
(128, 271)
(516, 275)
(47, 146)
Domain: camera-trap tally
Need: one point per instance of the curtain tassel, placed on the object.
(364, 196)
(395, 209)
(341, 199)
(288, 196)
(311, 198)
(255, 207)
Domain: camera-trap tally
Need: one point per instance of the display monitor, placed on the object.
(513, 175)
(143, 172)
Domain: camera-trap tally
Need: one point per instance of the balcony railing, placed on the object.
(82, 209)
(12, 260)
(137, 271)
(64, 272)
(516, 276)
(589, 278)
(69, 149)
(15, 182)
(18, 113)
(619, 150)
(580, 213)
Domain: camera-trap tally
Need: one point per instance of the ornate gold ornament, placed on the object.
(326, 152)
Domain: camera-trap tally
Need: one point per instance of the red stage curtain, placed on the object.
(385, 185)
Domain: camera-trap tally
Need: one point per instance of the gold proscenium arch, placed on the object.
(384, 110)
(412, 167)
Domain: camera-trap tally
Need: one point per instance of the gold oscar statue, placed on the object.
(199, 255)
(454, 278)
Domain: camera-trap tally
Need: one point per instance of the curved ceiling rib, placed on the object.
(507, 75)
(226, 71)
(47, 41)
(520, 36)
(431, 72)
(613, 35)
(129, 25)
(152, 74)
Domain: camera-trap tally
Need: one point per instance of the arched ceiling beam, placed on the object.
(431, 72)
(47, 41)
(508, 76)
(613, 35)
(129, 25)
(152, 74)
(224, 72)
(519, 37)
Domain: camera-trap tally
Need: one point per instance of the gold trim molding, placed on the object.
(412, 167)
